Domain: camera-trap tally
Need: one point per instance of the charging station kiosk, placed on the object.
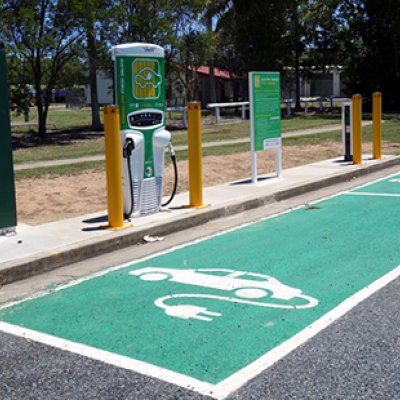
(347, 131)
(139, 76)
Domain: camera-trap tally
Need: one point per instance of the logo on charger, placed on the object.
(147, 79)
(148, 171)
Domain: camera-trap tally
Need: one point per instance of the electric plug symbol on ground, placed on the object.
(239, 287)
(187, 311)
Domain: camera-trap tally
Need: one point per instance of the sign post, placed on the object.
(265, 117)
(8, 212)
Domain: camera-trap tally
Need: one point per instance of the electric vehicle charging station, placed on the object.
(139, 70)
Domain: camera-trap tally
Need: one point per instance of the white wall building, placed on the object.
(104, 89)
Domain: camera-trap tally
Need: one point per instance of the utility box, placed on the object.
(139, 73)
(347, 131)
(8, 212)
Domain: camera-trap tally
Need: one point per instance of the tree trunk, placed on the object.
(297, 78)
(212, 83)
(213, 89)
(297, 57)
(42, 123)
(42, 116)
(92, 54)
(26, 104)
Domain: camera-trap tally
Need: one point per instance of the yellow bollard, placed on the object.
(357, 129)
(377, 125)
(113, 168)
(195, 156)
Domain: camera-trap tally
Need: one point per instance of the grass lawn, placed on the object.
(69, 169)
(241, 129)
(89, 147)
(59, 118)
(67, 119)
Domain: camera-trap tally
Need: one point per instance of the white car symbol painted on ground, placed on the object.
(244, 284)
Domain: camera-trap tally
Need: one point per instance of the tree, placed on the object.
(73, 74)
(227, 56)
(295, 43)
(371, 47)
(43, 34)
(260, 26)
(150, 21)
(323, 28)
(214, 10)
(97, 20)
(20, 91)
(194, 48)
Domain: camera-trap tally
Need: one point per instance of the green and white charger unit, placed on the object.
(139, 70)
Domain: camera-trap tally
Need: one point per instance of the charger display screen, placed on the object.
(145, 119)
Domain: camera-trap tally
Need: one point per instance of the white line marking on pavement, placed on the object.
(223, 389)
(372, 194)
(239, 378)
(111, 358)
(181, 246)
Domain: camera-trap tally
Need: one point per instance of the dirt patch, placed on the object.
(54, 198)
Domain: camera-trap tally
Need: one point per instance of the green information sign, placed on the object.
(265, 115)
(8, 213)
(265, 109)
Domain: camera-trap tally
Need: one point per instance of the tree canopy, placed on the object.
(49, 40)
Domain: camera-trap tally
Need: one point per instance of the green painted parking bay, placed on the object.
(388, 186)
(211, 314)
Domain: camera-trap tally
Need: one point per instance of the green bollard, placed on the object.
(8, 211)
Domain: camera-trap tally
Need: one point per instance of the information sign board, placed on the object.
(265, 116)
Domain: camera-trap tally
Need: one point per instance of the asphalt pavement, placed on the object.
(355, 357)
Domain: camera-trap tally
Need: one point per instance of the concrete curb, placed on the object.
(46, 261)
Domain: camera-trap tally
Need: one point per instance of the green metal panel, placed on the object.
(8, 212)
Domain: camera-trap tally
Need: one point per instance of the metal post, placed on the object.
(377, 125)
(184, 118)
(243, 111)
(357, 129)
(289, 108)
(195, 156)
(217, 115)
(113, 167)
(279, 161)
(321, 104)
(306, 107)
